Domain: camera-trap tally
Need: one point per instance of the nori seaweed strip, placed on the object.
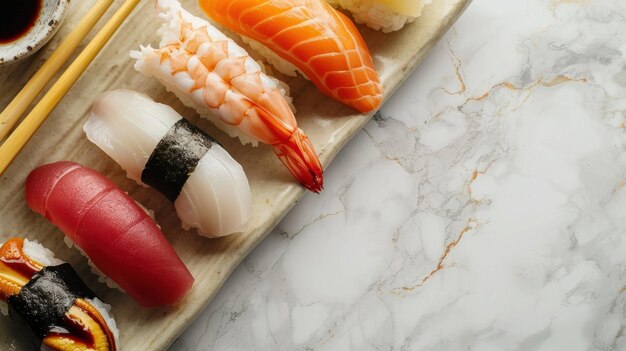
(175, 158)
(44, 300)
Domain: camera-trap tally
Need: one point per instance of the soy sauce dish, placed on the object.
(27, 25)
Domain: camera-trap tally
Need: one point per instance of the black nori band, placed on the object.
(175, 158)
(44, 300)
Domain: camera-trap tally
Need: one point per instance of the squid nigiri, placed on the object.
(48, 299)
(385, 15)
(211, 73)
(157, 147)
(110, 228)
(319, 41)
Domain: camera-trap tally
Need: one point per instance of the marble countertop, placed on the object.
(484, 208)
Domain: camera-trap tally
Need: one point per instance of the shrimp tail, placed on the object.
(299, 156)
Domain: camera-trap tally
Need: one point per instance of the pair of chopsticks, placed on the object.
(10, 116)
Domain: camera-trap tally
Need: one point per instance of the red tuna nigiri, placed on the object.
(119, 237)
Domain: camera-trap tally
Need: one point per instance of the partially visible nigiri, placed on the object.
(321, 42)
(385, 15)
(48, 299)
(110, 228)
(212, 74)
(157, 147)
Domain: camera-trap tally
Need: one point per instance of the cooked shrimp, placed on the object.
(211, 73)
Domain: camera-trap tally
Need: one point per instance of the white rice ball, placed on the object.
(39, 253)
(375, 14)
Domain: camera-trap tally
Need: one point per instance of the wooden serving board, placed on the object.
(329, 125)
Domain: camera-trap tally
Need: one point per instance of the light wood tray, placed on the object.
(328, 124)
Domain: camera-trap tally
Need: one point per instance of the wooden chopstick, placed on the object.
(22, 134)
(15, 109)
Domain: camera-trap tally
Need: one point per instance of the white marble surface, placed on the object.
(483, 209)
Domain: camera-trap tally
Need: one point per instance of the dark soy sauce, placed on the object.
(17, 17)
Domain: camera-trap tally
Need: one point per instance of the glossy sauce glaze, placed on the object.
(16, 269)
(17, 18)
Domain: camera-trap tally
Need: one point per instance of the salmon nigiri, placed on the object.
(319, 41)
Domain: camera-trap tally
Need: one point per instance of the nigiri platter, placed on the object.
(190, 136)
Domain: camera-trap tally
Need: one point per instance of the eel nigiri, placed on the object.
(385, 15)
(211, 73)
(110, 228)
(49, 300)
(319, 41)
(157, 147)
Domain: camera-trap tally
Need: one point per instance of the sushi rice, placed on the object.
(102, 278)
(105, 311)
(280, 64)
(380, 15)
(41, 254)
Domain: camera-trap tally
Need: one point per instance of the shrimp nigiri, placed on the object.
(319, 41)
(211, 73)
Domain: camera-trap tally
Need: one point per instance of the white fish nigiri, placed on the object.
(213, 194)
